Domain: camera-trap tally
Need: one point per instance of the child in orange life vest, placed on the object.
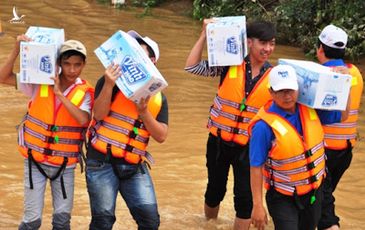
(52, 134)
(241, 92)
(339, 138)
(287, 155)
(117, 149)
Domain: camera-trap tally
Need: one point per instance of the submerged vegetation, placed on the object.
(298, 22)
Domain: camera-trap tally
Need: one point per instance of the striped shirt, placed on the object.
(203, 69)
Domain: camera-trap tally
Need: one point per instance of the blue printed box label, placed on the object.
(232, 45)
(45, 64)
(132, 71)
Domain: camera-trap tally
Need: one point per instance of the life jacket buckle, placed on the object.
(129, 148)
(132, 134)
(48, 152)
(311, 166)
(53, 128)
(308, 153)
(52, 140)
(239, 119)
(235, 130)
(313, 179)
(138, 124)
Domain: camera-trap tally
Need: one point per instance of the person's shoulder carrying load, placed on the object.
(319, 86)
(38, 58)
(227, 41)
(140, 77)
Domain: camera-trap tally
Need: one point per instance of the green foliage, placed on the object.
(146, 3)
(253, 9)
(303, 27)
(299, 22)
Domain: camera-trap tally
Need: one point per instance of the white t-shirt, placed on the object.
(31, 90)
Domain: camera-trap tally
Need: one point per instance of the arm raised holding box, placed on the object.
(102, 102)
(194, 63)
(197, 50)
(7, 75)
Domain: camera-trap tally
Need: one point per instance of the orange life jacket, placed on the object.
(295, 163)
(336, 135)
(122, 131)
(50, 132)
(232, 111)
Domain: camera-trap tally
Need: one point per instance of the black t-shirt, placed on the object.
(162, 116)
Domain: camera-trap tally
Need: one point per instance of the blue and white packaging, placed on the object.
(38, 58)
(140, 77)
(227, 41)
(319, 86)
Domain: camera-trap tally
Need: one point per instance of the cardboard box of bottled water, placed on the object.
(226, 41)
(38, 58)
(140, 77)
(319, 86)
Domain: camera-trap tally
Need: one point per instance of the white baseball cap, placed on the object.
(333, 37)
(73, 45)
(151, 43)
(283, 77)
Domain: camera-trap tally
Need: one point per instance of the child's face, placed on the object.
(72, 67)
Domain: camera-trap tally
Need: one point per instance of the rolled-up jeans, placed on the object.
(135, 185)
(34, 198)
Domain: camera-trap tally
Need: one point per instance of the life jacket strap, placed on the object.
(340, 136)
(216, 113)
(353, 112)
(123, 146)
(134, 122)
(219, 101)
(49, 139)
(50, 152)
(343, 125)
(291, 186)
(53, 128)
(306, 154)
(285, 174)
(59, 173)
(226, 128)
(129, 133)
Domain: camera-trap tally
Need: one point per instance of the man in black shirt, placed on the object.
(116, 157)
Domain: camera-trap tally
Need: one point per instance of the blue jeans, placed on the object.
(135, 185)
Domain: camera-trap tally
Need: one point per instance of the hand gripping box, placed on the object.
(38, 58)
(227, 41)
(140, 77)
(319, 87)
